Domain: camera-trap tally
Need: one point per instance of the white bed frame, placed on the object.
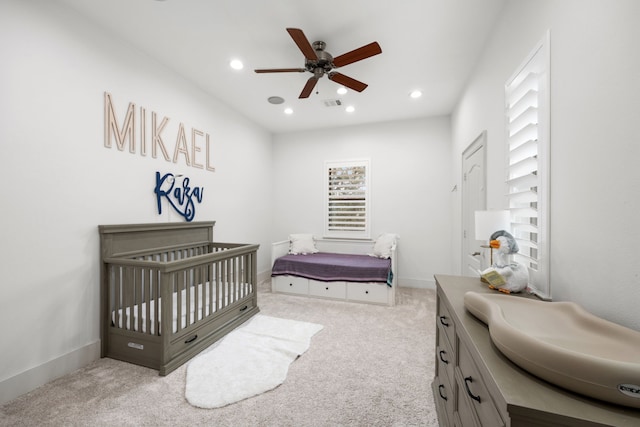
(367, 292)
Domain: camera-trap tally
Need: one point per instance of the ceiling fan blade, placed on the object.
(303, 43)
(281, 70)
(347, 81)
(308, 88)
(357, 55)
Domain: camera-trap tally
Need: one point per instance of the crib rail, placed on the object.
(169, 290)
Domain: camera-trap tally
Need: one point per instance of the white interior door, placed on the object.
(473, 199)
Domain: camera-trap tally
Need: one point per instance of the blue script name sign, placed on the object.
(181, 197)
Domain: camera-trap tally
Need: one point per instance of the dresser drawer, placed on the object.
(291, 284)
(327, 289)
(445, 323)
(445, 357)
(465, 415)
(368, 292)
(473, 392)
(443, 389)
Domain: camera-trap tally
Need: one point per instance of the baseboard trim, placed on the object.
(264, 275)
(404, 282)
(35, 377)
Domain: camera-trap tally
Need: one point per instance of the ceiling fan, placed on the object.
(320, 62)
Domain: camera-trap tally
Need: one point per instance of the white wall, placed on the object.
(410, 187)
(60, 182)
(595, 142)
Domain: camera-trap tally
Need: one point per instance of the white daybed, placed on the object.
(374, 292)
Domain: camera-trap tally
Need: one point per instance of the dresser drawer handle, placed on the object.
(440, 388)
(466, 385)
(442, 358)
(442, 320)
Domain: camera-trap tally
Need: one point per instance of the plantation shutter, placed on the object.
(347, 199)
(527, 113)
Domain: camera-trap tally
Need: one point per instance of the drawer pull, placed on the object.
(442, 320)
(440, 388)
(244, 308)
(442, 358)
(191, 339)
(466, 385)
(327, 288)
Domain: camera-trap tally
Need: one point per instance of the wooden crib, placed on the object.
(200, 289)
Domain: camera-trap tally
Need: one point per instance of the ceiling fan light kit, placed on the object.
(320, 62)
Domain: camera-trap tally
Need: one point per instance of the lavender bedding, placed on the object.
(330, 267)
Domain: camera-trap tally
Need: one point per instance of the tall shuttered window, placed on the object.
(527, 114)
(347, 199)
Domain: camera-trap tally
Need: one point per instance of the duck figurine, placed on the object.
(514, 275)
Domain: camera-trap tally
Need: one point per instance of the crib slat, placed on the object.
(194, 284)
(117, 283)
(178, 303)
(128, 299)
(202, 282)
(156, 301)
(219, 296)
(136, 308)
(244, 275)
(210, 280)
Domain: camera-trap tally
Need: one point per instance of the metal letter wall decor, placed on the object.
(181, 197)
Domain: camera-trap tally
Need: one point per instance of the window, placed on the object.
(347, 199)
(527, 114)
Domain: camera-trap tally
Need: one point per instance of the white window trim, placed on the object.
(365, 233)
(539, 281)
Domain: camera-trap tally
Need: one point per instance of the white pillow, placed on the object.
(383, 245)
(302, 244)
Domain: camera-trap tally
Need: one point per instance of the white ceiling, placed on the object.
(430, 45)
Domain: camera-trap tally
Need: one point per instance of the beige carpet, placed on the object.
(370, 366)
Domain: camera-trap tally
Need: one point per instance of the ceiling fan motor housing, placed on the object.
(323, 64)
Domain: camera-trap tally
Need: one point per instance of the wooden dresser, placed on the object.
(476, 385)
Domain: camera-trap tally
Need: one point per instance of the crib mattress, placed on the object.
(330, 267)
(136, 316)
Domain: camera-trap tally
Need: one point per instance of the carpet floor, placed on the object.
(369, 366)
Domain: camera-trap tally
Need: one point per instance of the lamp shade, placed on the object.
(488, 222)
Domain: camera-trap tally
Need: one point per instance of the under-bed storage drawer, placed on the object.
(327, 289)
(291, 284)
(134, 348)
(368, 292)
(208, 327)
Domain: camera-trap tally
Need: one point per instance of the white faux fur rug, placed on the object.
(250, 360)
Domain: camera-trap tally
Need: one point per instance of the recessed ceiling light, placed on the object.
(342, 90)
(415, 94)
(350, 109)
(236, 64)
(288, 111)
